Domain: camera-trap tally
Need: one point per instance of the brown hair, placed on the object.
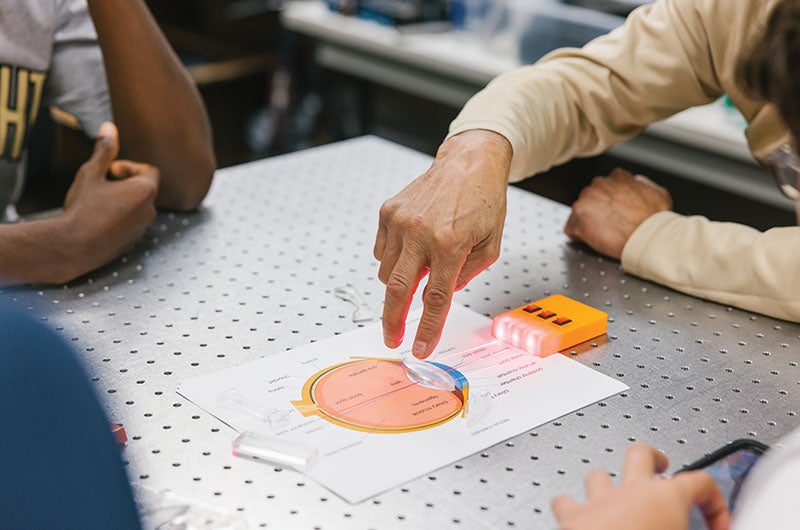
(770, 70)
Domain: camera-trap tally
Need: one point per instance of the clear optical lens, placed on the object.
(428, 375)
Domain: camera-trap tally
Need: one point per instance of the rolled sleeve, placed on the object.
(667, 57)
(728, 263)
(77, 80)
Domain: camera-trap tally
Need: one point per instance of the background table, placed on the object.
(702, 144)
(253, 273)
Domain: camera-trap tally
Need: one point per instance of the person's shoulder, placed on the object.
(44, 8)
(716, 11)
(26, 12)
(726, 26)
(43, 15)
(66, 10)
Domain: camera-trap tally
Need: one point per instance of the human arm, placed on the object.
(611, 208)
(668, 56)
(728, 263)
(627, 217)
(34, 252)
(574, 102)
(159, 112)
(643, 500)
(101, 219)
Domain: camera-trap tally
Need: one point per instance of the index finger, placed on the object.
(436, 304)
(619, 173)
(123, 169)
(641, 462)
(401, 285)
(562, 506)
(571, 227)
(701, 490)
(644, 180)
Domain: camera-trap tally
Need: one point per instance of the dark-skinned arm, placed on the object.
(156, 105)
(35, 252)
(101, 219)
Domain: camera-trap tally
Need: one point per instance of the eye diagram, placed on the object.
(376, 395)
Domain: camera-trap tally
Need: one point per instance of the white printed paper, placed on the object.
(374, 428)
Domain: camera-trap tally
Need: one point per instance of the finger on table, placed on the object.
(642, 462)
(562, 505)
(597, 482)
(436, 304)
(702, 491)
(401, 284)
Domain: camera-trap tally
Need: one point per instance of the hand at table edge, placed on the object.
(610, 209)
(643, 499)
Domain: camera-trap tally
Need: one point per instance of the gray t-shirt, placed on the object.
(49, 55)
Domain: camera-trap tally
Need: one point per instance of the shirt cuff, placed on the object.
(636, 249)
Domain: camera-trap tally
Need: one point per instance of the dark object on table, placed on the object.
(402, 12)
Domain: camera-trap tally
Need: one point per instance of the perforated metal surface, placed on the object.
(254, 273)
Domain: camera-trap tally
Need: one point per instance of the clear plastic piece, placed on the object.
(428, 374)
(233, 399)
(477, 408)
(274, 450)
(363, 312)
(166, 510)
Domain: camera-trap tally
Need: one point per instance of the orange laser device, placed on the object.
(549, 325)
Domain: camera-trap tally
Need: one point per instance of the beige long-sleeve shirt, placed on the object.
(667, 57)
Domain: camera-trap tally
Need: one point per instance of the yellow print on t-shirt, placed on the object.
(20, 96)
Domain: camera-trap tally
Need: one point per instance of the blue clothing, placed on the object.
(60, 466)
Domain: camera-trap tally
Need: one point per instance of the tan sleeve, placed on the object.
(728, 263)
(667, 57)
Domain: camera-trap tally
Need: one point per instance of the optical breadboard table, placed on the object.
(253, 274)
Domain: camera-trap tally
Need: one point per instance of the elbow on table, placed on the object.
(60, 275)
(65, 266)
(189, 194)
